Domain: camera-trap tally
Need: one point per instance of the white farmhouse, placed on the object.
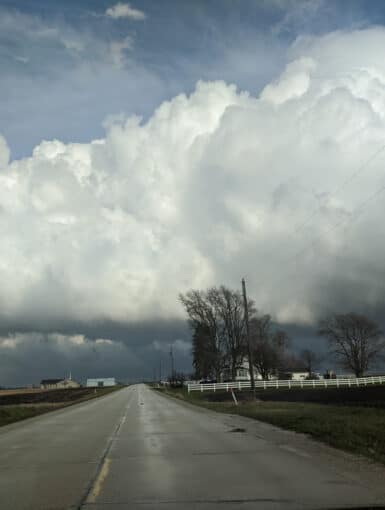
(242, 372)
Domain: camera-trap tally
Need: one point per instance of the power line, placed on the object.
(347, 181)
(339, 188)
(357, 210)
(172, 362)
(353, 216)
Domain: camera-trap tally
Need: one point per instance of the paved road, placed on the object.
(136, 449)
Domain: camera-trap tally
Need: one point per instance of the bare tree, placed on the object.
(204, 321)
(229, 307)
(269, 346)
(204, 352)
(310, 359)
(356, 341)
(217, 319)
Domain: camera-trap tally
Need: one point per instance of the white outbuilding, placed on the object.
(101, 382)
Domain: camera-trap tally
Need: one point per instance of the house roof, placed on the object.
(51, 381)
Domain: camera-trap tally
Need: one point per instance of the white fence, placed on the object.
(318, 383)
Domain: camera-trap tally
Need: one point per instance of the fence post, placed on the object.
(338, 383)
(276, 384)
(301, 383)
(201, 387)
(289, 385)
(264, 384)
(239, 385)
(188, 388)
(313, 383)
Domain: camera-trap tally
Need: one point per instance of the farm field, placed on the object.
(369, 396)
(16, 405)
(20, 390)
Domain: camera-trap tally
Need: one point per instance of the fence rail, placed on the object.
(317, 383)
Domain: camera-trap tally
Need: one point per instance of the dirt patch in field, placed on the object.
(45, 396)
(20, 391)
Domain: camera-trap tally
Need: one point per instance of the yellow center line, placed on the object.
(105, 467)
(98, 485)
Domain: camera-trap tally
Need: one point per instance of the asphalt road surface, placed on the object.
(137, 449)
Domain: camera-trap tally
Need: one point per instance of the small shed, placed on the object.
(101, 382)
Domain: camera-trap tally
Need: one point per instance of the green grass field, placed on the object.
(10, 414)
(356, 429)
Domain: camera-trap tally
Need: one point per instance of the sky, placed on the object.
(151, 147)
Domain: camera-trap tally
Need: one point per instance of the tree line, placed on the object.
(219, 342)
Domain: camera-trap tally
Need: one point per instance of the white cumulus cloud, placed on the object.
(121, 10)
(212, 187)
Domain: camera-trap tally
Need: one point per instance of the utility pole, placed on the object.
(160, 369)
(250, 352)
(172, 362)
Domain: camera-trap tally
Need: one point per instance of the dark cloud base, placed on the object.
(136, 352)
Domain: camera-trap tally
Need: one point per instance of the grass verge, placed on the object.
(355, 429)
(17, 412)
(11, 414)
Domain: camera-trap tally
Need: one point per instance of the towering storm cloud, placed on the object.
(213, 186)
(283, 188)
